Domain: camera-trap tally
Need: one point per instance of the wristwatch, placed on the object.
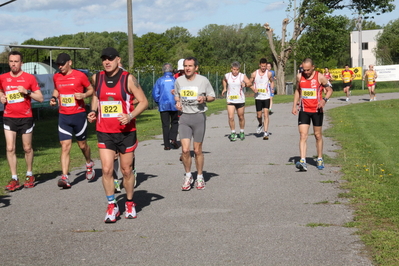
(28, 92)
(325, 99)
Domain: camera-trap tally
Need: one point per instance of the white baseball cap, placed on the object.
(180, 65)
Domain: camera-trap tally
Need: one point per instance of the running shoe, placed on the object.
(200, 184)
(259, 129)
(117, 186)
(375, 98)
(347, 99)
(112, 213)
(301, 165)
(64, 182)
(233, 137)
(242, 136)
(320, 164)
(29, 181)
(13, 185)
(130, 210)
(90, 173)
(265, 136)
(188, 181)
(270, 112)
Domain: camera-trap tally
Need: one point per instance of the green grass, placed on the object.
(369, 137)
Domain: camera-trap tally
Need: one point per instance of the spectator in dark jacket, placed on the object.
(163, 96)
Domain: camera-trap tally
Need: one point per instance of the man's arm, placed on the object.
(142, 102)
(224, 83)
(324, 82)
(251, 82)
(37, 96)
(156, 91)
(296, 96)
(92, 115)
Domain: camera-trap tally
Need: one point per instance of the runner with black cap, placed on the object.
(71, 87)
(115, 114)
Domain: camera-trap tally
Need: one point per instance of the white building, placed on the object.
(369, 43)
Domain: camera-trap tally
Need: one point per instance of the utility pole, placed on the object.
(359, 23)
(130, 32)
(295, 45)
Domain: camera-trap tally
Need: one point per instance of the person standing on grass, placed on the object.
(161, 93)
(347, 76)
(113, 109)
(192, 91)
(263, 83)
(308, 94)
(234, 83)
(17, 89)
(71, 87)
(371, 76)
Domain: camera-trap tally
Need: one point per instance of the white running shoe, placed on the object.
(200, 184)
(90, 173)
(265, 136)
(112, 213)
(117, 186)
(130, 212)
(188, 181)
(259, 129)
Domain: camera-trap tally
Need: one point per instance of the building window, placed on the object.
(365, 46)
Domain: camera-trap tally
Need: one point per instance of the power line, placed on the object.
(7, 3)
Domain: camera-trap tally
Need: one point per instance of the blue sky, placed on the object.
(39, 19)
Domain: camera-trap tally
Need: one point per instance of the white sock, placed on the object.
(15, 177)
(200, 177)
(29, 173)
(188, 174)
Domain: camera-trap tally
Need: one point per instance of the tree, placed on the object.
(310, 13)
(387, 50)
(327, 42)
(151, 50)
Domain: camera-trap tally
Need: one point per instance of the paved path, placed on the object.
(254, 211)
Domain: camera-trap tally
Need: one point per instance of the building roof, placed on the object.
(44, 47)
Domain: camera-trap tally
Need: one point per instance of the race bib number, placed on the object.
(111, 109)
(309, 93)
(347, 79)
(233, 97)
(14, 96)
(67, 100)
(189, 93)
(371, 79)
(261, 90)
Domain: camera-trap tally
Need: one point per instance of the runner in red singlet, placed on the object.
(17, 89)
(308, 94)
(113, 109)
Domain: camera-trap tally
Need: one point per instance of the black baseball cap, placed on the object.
(62, 59)
(110, 53)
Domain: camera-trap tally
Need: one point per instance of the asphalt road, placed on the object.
(256, 208)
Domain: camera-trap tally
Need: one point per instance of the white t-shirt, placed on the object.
(189, 90)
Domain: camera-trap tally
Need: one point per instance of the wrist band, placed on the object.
(55, 98)
(95, 111)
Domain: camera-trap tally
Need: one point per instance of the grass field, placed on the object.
(367, 132)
